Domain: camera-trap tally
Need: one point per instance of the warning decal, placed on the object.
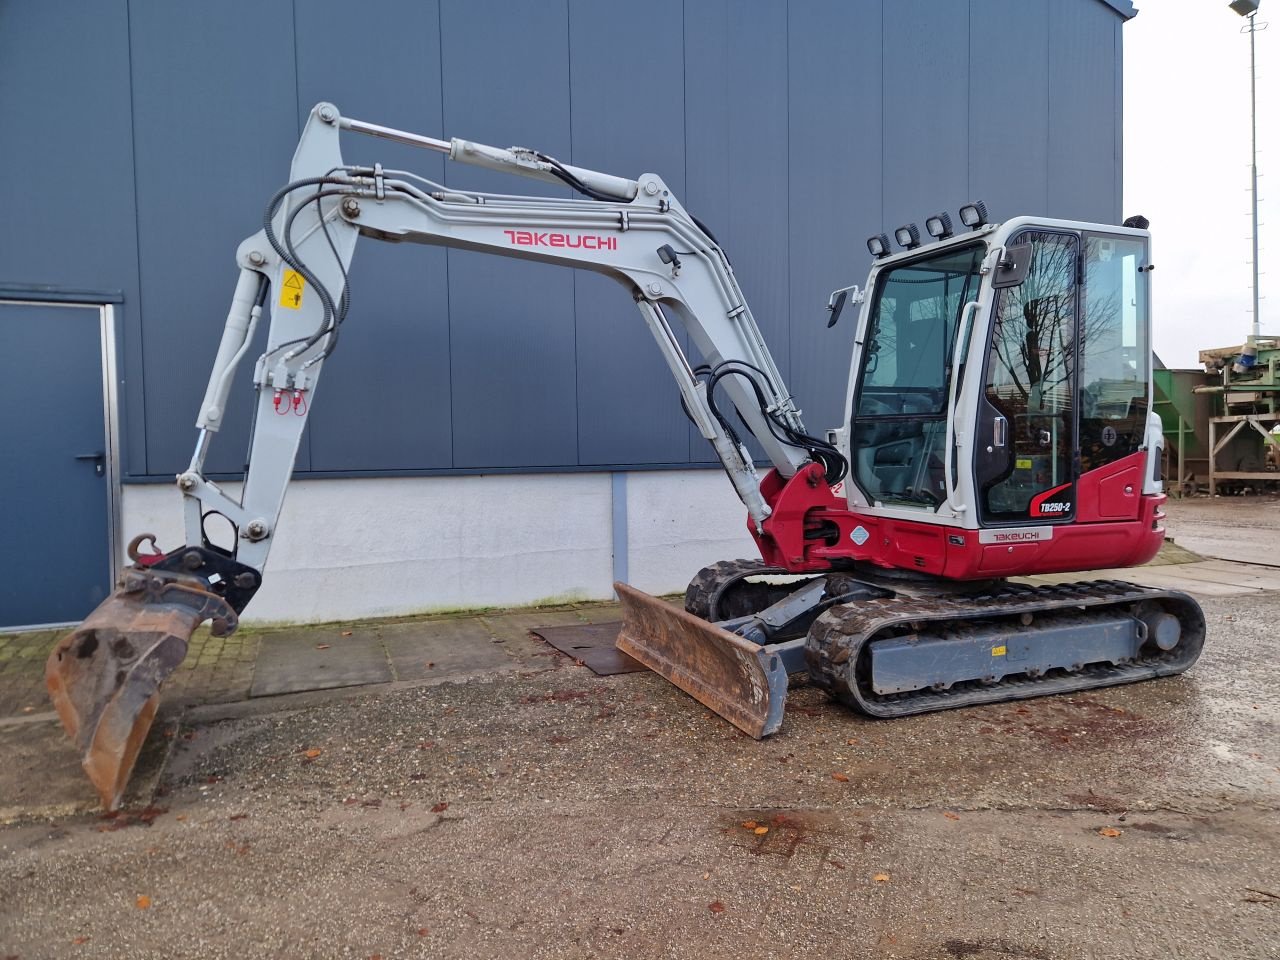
(999, 651)
(291, 290)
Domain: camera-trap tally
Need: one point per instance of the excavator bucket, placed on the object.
(740, 680)
(104, 677)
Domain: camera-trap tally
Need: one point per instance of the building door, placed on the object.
(57, 463)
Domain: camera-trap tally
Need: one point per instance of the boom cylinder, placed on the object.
(235, 335)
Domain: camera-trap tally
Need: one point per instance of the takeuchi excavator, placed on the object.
(998, 424)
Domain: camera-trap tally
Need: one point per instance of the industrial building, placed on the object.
(490, 432)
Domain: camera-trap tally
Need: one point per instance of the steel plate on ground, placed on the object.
(592, 643)
(734, 677)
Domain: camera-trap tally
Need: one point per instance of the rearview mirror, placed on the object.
(1012, 268)
(835, 306)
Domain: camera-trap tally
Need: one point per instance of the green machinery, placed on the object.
(1221, 422)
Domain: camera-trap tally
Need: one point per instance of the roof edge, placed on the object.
(1125, 8)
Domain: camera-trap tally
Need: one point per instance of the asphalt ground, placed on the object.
(540, 811)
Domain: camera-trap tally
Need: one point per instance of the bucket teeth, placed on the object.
(741, 681)
(104, 677)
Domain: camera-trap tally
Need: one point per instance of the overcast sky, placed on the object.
(1186, 168)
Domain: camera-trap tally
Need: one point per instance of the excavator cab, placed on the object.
(1001, 378)
(1024, 351)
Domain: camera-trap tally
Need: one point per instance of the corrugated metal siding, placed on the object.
(152, 133)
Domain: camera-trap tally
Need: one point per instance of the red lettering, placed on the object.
(525, 238)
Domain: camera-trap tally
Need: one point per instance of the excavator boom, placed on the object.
(105, 676)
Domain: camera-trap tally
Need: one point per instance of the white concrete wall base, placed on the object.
(354, 549)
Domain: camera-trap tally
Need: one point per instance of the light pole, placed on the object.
(1249, 10)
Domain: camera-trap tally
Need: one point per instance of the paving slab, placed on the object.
(418, 651)
(1242, 575)
(1199, 579)
(290, 661)
(1268, 574)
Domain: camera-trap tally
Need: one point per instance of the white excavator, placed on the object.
(998, 424)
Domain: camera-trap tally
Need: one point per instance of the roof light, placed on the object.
(974, 215)
(878, 245)
(908, 236)
(938, 226)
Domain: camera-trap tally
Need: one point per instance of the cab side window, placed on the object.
(1113, 351)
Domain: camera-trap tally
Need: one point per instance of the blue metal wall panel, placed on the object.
(1009, 105)
(628, 118)
(737, 152)
(710, 66)
(833, 188)
(506, 82)
(215, 121)
(793, 130)
(926, 109)
(68, 199)
(385, 401)
(1084, 151)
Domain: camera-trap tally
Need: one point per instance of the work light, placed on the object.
(973, 215)
(878, 245)
(938, 226)
(908, 236)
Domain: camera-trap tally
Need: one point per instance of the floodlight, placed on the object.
(973, 215)
(938, 226)
(908, 236)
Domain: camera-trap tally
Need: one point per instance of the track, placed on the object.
(840, 641)
(721, 591)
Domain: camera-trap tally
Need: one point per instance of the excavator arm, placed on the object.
(104, 677)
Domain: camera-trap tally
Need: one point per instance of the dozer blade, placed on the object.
(104, 677)
(742, 681)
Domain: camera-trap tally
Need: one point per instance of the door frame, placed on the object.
(103, 304)
(1076, 234)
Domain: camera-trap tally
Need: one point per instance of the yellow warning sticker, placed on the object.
(999, 651)
(291, 290)
(1024, 464)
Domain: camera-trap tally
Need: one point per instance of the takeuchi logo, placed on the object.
(1018, 537)
(528, 238)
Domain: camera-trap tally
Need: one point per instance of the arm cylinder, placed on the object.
(526, 165)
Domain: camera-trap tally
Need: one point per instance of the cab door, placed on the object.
(1025, 442)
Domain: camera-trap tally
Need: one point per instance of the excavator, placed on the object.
(998, 425)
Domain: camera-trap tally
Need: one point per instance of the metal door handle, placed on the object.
(999, 432)
(99, 461)
(1046, 438)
